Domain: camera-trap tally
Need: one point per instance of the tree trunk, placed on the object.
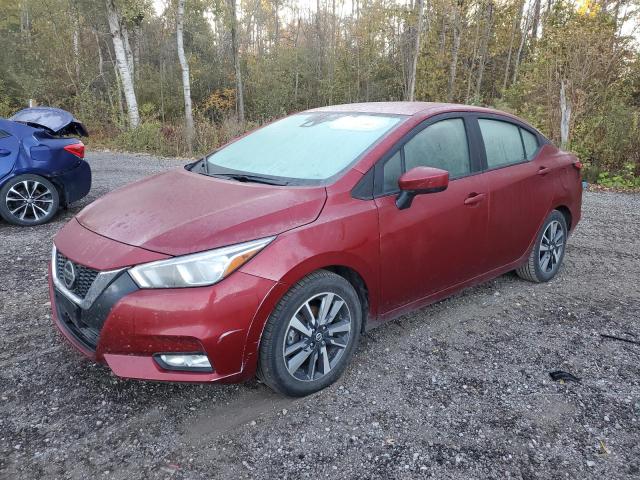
(136, 50)
(276, 7)
(76, 51)
(483, 50)
(411, 87)
(128, 50)
(474, 57)
(536, 21)
(236, 60)
(565, 115)
(186, 83)
(516, 24)
(122, 63)
(455, 48)
(523, 40)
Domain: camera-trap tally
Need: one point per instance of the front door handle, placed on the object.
(474, 198)
(543, 170)
(4, 152)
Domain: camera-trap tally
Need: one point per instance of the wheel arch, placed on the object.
(566, 213)
(362, 283)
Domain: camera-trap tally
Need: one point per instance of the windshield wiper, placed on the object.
(244, 177)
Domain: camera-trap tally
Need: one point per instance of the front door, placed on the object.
(440, 240)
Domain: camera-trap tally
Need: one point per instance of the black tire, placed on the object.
(272, 367)
(42, 208)
(533, 269)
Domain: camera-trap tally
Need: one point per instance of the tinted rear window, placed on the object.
(530, 143)
(502, 142)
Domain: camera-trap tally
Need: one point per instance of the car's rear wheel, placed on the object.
(548, 252)
(311, 335)
(28, 200)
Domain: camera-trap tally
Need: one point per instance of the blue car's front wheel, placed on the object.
(28, 200)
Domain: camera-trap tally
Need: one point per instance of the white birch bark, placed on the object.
(236, 60)
(186, 82)
(565, 115)
(411, 87)
(455, 48)
(122, 64)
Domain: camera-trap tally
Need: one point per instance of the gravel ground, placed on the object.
(459, 390)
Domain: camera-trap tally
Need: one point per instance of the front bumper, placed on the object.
(124, 326)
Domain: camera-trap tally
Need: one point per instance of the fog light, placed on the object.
(198, 362)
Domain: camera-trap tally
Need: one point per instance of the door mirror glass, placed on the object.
(418, 181)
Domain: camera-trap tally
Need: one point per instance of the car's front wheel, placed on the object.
(311, 335)
(28, 200)
(548, 252)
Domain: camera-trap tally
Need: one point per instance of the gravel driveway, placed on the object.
(459, 390)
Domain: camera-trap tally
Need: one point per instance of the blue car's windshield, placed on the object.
(312, 146)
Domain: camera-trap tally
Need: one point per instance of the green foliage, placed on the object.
(625, 179)
(292, 57)
(147, 137)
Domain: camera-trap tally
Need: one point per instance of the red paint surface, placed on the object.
(479, 227)
(181, 212)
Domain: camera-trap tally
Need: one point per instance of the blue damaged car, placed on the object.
(42, 164)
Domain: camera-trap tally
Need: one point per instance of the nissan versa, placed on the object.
(273, 254)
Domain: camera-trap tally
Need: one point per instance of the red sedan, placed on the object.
(274, 253)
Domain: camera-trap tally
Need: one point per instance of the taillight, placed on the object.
(76, 149)
(577, 164)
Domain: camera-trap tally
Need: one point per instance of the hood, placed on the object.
(55, 120)
(181, 212)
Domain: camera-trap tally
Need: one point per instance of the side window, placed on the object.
(392, 172)
(441, 145)
(530, 142)
(502, 142)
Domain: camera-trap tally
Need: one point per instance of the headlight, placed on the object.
(198, 269)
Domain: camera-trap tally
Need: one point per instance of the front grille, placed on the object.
(70, 316)
(84, 276)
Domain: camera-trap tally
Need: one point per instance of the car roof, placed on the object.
(407, 108)
(419, 109)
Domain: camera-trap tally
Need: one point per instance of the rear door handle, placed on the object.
(474, 198)
(543, 170)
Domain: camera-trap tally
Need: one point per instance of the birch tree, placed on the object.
(565, 115)
(124, 73)
(411, 87)
(455, 48)
(186, 81)
(231, 4)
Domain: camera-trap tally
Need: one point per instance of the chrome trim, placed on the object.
(102, 280)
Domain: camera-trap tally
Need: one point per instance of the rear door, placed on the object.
(8, 152)
(440, 240)
(520, 187)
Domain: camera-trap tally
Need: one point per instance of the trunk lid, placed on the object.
(54, 120)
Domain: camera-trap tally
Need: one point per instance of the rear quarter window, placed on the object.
(502, 142)
(530, 142)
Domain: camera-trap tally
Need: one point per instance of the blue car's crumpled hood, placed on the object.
(56, 120)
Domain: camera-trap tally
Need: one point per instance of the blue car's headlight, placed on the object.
(198, 269)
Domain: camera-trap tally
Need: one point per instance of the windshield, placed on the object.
(308, 146)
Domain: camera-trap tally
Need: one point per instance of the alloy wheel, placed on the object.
(551, 247)
(29, 200)
(317, 336)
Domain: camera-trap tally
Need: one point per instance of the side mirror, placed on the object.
(420, 180)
